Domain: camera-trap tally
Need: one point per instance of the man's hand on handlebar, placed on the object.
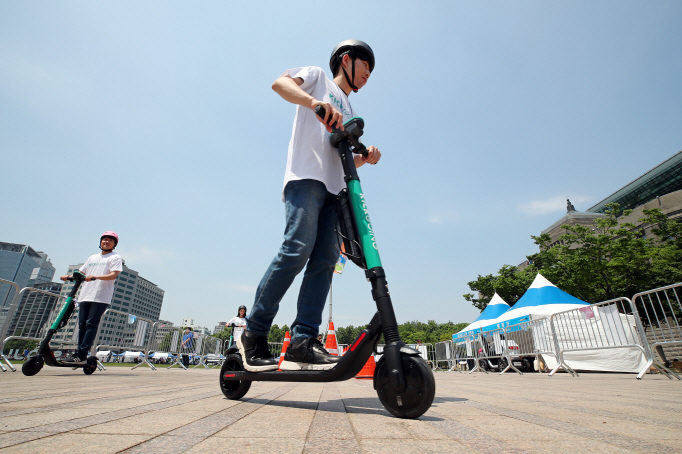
(373, 155)
(332, 117)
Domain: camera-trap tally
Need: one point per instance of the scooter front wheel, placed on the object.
(233, 389)
(91, 366)
(32, 365)
(417, 396)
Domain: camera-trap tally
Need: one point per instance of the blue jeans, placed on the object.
(309, 242)
(88, 321)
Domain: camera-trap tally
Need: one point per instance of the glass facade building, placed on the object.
(662, 179)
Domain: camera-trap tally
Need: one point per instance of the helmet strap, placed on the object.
(348, 79)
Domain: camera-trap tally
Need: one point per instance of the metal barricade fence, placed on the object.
(26, 316)
(612, 324)
(9, 292)
(172, 343)
(465, 351)
(660, 311)
(207, 345)
(135, 336)
(492, 346)
(165, 344)
(276, 349)
(526, 340)
(444, 354)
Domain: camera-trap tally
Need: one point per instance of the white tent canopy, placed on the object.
(495, 308)
(541, 299)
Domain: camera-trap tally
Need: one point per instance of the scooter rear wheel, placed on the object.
(32, 366)
(91, 366)
(416, 398)
(233, 389)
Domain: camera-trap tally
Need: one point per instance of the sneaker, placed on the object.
(308, 354)
(256, 355)
(74, 360)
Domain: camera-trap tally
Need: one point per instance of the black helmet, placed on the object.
(240, 309)
(353, 47)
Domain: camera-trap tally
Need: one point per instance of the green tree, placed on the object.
(610, 260)
(607, 260)
(277, 334)
(19, 344)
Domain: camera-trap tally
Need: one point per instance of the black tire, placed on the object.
(482, 363)
(233, 389)
(91, 366)
(32, 366)
(416, 398)
(526, 365)
(502, 364)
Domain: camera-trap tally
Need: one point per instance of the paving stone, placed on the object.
(173, 411)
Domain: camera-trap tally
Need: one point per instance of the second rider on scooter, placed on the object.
(95, 294)
(313, 177)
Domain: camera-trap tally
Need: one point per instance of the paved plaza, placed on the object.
(172, 411)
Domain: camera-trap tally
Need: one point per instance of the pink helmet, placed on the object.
(110, 234)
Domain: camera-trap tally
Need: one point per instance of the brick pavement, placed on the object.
(173, 411)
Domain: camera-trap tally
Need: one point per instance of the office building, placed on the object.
(219, 327)
(21, 264)
(34, 309)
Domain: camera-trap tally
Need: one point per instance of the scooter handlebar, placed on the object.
(359, 148)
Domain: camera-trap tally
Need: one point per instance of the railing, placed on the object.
(660, 310)
(138, 334)
(6, 315)
(526, 340)
(612, 324)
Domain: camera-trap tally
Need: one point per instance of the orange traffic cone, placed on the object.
(287, 339)
(368, 370)
(331, 346)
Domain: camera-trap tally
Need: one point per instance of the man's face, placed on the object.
(361, 70)
(361, 73)
(107, 243)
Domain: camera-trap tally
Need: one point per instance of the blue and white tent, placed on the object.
(541, 299)
(495, 308)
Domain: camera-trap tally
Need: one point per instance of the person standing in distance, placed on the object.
(95, 293)
(313, 177)
(239, 322)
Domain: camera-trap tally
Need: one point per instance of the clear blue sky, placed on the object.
(157, 120)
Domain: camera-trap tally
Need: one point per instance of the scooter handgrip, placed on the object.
(320, 111)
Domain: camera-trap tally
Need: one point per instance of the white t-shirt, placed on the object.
(239, 329)
(311, 154)
(99, 265)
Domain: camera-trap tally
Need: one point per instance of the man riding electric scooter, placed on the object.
(312, 179)
(403, 381)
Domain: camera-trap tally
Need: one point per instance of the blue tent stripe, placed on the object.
(546, 295)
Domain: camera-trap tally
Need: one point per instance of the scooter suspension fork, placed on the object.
(382, 298)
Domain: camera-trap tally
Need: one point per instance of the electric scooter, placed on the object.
(402, 379)
(45, 355)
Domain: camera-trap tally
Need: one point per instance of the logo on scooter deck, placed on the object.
(369, 223)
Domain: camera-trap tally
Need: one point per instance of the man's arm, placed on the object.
(107, 277)
(290, 90)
